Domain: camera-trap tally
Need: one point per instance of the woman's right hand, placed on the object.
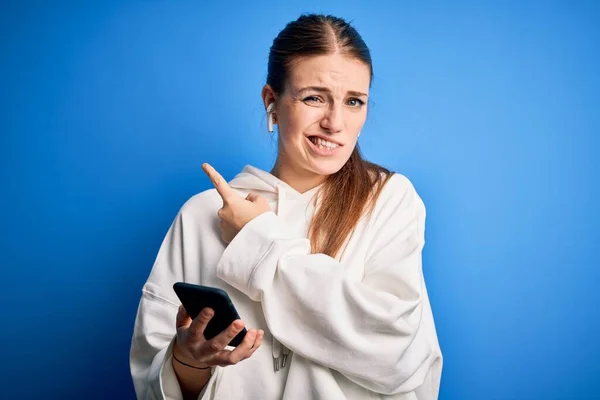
(203, 353)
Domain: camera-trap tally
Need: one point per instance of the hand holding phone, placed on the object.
(207, 323)
(197, 297)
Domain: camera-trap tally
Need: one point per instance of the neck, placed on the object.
(300, 181)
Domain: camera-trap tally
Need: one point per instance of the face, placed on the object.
(319, 116)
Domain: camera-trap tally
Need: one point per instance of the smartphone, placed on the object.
(197, 297)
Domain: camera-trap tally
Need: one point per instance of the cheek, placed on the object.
(356, 121)
(297, 121)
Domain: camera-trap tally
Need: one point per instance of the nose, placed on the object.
(333, 120)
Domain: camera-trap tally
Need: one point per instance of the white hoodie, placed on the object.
(356, 327)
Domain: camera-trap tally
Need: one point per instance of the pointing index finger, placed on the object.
(219, 182)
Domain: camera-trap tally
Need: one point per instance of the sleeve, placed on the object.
(370, 331)
(154, 331)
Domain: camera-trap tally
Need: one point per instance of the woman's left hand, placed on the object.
(237, 211)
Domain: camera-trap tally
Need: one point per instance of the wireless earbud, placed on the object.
(270, 117)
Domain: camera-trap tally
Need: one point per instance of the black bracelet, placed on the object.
(187, 365)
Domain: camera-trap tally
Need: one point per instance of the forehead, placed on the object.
(338, 72)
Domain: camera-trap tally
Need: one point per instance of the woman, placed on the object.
(321, 256)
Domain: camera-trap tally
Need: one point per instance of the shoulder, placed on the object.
(399, 183)
(399, 189)
(201, 206)
(398, 199)
(398, 216)
(196, 219)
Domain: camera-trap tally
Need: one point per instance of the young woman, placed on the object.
(321, 256)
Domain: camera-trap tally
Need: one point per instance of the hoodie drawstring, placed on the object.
(279, 351)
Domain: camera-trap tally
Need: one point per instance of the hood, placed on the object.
(280, 196)
(256, 180)
(278, 193)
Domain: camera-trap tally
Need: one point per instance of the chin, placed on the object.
(327, 168)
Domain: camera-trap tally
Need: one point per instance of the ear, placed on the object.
(268, 95)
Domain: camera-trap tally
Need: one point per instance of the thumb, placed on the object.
(258, 199)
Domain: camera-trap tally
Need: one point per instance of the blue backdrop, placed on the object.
(109, 109)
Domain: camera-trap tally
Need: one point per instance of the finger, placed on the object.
(200, 322)
(226, 237)
(214, 348)
(258, 341)
(227, 231)
(224, 190)
(257, 199)
(249, 345)
(244, 349)
(252, 197)
(223, 338)
(183, 320)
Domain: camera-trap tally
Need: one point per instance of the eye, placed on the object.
(354, 102)
(313, 99)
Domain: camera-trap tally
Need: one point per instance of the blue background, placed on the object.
(491, 109)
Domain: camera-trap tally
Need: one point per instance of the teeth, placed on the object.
(324, 144)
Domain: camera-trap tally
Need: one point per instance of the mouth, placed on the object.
(323, 147)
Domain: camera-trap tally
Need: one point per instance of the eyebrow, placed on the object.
(324, 89)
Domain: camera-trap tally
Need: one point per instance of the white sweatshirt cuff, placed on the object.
(168, 383)
(243, 255)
